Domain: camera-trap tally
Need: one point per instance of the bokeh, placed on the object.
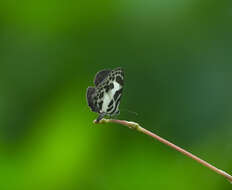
(177, 58)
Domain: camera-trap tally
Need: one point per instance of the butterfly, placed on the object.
(105, 97)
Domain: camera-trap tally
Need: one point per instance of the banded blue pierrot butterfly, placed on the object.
(105, 97)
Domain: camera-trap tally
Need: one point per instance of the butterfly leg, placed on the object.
(115, 116)
(100, 117)
(118, 112)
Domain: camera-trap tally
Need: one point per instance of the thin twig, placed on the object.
(137, 127)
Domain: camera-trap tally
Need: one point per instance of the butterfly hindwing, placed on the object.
(91, 98)
(113, 86)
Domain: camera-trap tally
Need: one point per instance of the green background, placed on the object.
(177, 57)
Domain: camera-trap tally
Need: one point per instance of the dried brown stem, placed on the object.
(137, 127)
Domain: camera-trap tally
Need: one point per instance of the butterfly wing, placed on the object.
(110, 91)
(118, 81)
(105, 97)
(91, 99)
(100, 76)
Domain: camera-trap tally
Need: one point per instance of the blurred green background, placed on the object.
(177, 57)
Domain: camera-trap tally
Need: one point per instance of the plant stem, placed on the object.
(137, 127)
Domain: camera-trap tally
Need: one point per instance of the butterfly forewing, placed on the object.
(100, 76)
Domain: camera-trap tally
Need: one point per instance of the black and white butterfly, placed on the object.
(105, 97)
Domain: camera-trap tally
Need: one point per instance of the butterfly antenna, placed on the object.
(129, 111)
